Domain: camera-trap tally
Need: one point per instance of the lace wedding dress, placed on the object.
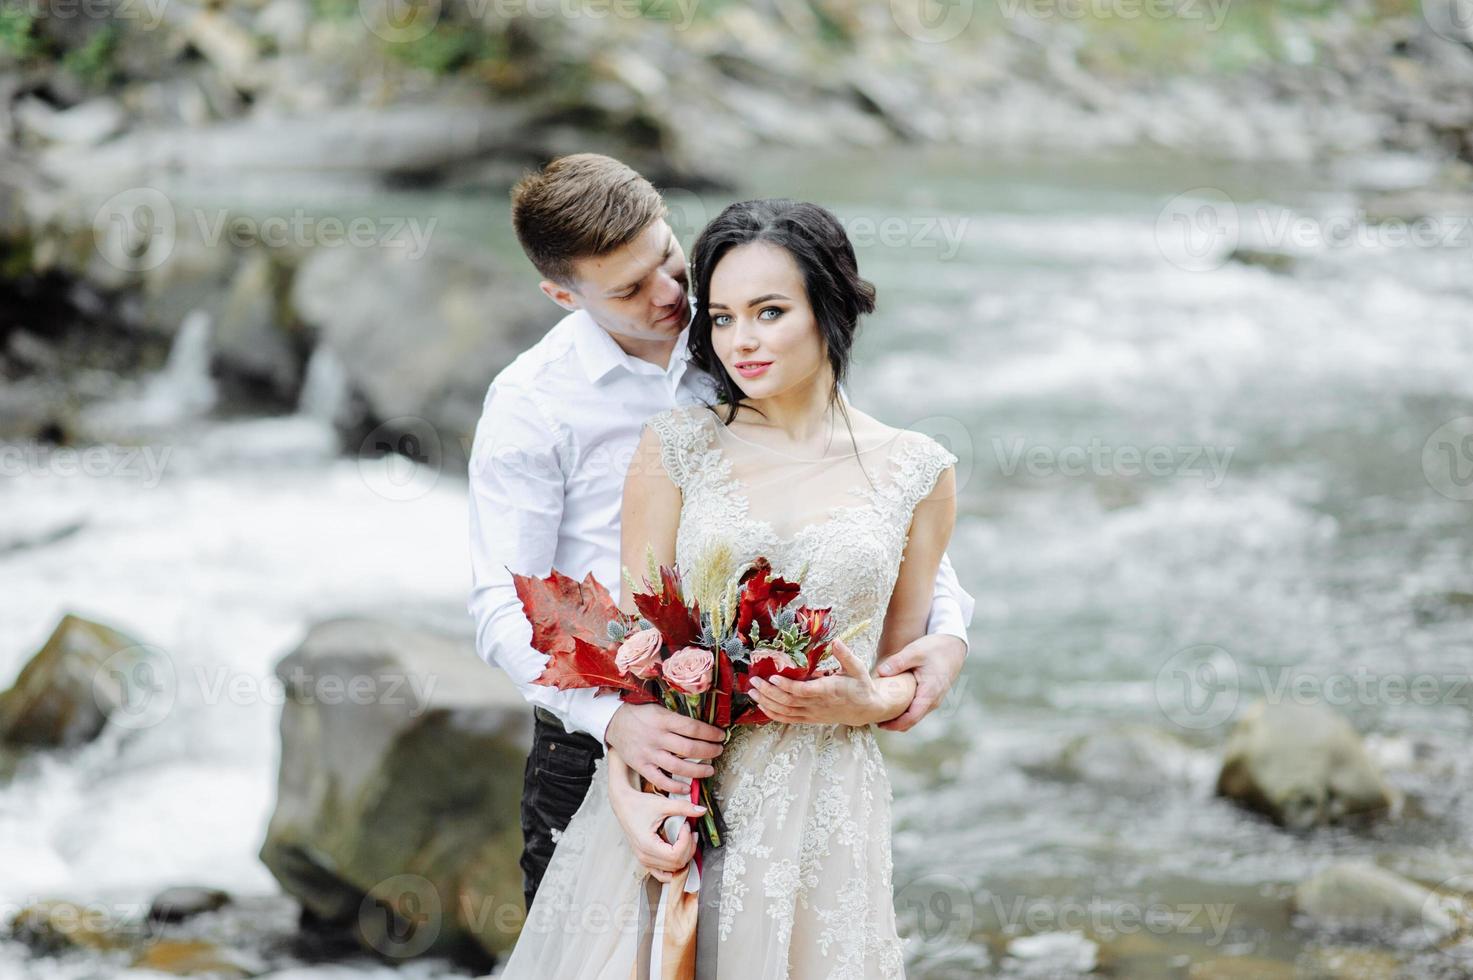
(806, 878)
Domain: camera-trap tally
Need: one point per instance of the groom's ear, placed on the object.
(561, 295)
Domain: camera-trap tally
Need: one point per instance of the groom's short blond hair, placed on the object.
(578, 206)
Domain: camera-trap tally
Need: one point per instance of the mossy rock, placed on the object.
(65, 694)
(398, 813)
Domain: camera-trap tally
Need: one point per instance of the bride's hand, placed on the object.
(642, 814)
(850, 697)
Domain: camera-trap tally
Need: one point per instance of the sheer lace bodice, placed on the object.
(844, 518)
(806, 875)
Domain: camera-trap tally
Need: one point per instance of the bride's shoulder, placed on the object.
(902, 442)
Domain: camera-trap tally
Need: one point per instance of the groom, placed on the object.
(558, 430)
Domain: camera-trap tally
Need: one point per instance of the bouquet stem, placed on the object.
(710, 828)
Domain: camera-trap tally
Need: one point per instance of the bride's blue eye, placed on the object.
(769, 309)
(719, 320)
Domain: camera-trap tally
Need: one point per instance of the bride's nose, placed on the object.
(746, 340)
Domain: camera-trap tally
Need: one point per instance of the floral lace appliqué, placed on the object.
(806, 880)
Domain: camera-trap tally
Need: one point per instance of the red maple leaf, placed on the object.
(570, 621)
(586, 666)
(561, 608)
(639, 695)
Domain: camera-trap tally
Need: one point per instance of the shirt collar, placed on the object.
(599, 354)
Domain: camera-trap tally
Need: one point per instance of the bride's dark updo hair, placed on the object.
(825, 257)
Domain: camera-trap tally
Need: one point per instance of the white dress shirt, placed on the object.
(560, 426)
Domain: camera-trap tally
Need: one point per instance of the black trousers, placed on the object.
(557, 777)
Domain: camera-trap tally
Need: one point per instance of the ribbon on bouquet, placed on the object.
(678, 920)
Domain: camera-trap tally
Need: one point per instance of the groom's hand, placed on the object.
(936, 659)
(656, 742)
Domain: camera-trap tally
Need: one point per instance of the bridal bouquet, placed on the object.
(698, 640)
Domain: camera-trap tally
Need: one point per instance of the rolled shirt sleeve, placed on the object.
(951, 605)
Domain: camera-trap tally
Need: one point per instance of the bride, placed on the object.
(783, 467)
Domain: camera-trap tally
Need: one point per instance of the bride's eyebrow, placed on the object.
(750, 303)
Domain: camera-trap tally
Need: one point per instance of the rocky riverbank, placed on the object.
(465, 92)
(140, 135)
(101, 299)
(395, 833)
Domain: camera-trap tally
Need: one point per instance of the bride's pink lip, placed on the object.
(752, 369)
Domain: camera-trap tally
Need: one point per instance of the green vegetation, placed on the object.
(451, 47)
(16, 36)
(670, 10)
(92, 63)
(334, 9)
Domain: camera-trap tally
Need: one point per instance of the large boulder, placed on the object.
(67, 691)
(1302, 765)
(250, 339)
(422, 327)
(397, 817)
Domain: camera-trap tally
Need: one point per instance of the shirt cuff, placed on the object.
(946, 618)
(592, 715)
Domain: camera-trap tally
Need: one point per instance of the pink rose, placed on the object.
(689, 670)
(639, 654)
